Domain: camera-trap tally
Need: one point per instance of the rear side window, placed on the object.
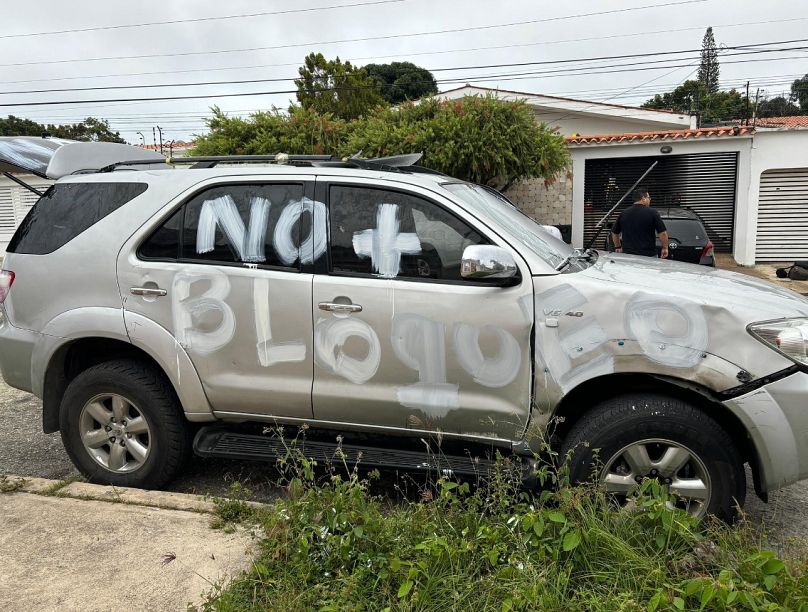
(65, 211)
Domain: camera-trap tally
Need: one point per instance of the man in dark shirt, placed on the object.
(637, 226)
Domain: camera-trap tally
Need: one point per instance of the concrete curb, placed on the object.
(122, 495)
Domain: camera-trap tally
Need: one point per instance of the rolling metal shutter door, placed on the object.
(702, 182)
(782, 224)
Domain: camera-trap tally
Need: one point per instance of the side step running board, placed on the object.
(217, 442)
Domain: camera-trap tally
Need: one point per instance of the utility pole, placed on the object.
(755, 109)
(142, 139)
(747, 104)
(159, 129)
(154, 137)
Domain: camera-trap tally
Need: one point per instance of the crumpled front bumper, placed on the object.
(776, 417)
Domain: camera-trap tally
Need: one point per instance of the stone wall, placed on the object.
(551, 205)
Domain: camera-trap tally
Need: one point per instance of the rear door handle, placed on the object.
(339, 308)
(148, 291)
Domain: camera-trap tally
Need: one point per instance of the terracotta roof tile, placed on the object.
(632, 137)
(797, 121)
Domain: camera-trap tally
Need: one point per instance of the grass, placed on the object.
(332, 544)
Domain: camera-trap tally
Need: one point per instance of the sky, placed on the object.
(556, 43)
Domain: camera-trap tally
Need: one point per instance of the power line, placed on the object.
(200, 19)
(410, 54)
(751, 50)
(517, 76)
(363, 39)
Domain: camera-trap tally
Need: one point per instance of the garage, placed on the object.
(782, 223)
(705, 183)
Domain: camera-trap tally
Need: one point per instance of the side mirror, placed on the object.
(486, 262)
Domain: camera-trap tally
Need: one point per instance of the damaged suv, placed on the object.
(161, 311)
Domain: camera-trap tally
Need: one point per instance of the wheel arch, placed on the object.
(580, 399)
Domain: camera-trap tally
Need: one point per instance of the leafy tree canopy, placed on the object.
(336, 87)
(89, 129)
(402, 81)
(799, 93)
(480, 139)
(694, 97)
(777, 107)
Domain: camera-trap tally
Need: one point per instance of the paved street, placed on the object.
(26, 451)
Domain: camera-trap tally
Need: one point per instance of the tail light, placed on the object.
(6, 280)
(708, 250)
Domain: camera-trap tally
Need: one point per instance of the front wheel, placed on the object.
(632, 437)
(121, 424)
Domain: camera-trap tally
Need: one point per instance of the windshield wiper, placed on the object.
(577, 255)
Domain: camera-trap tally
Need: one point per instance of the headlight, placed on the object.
(787, 336)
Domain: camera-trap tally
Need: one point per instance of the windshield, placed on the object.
(518, 225)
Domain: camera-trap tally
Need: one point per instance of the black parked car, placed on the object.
(687, 237)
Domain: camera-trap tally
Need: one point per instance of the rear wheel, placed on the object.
(121, 424)
(632, 437)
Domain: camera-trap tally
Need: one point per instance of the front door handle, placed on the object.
(148, 291)
(339, 308)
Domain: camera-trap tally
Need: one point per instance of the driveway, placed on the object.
(26, 451)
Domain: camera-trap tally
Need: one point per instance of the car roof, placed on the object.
(675, 212)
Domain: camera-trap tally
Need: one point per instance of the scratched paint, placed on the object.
(385, 245)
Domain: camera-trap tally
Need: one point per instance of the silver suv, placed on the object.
(158, 312)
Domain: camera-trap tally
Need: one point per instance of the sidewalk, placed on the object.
(766, 271)
(88, 547)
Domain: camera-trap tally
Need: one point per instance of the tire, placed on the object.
(607, 442)
(104, 390)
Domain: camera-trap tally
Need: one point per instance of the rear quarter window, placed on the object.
(65, 211)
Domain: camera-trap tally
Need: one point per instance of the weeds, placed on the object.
(10, 485)
(333, 545)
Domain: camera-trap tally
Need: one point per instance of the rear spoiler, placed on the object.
(53, 158)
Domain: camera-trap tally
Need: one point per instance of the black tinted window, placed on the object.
(65, 211)
(246, 223)
(165, 242)
(393, 234)
(685, 229)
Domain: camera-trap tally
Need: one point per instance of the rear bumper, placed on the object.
(776, 417)
(16, 351)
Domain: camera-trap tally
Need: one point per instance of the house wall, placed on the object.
(586, 125)
(15, 202)
(770, 150)
(548, 204)
(744, 227)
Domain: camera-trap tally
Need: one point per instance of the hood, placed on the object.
(746, 298)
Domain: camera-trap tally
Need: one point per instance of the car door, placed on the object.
(401, 340)
(224, 273)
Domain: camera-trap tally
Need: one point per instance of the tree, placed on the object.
(708, 68)
(799, 93)
(402, 81)
(336, 87)
(484, 140)
(301, 131)
(90, 129)
(479, 139)
(777, 107)
(693, 97)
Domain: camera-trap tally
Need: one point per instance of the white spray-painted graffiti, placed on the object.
(671, 334)
(249, 242)
(330, 335)
(185, 308)
(419, 344)
(385, 245)
(270, 353)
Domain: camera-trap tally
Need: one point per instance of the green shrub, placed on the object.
(335, 546)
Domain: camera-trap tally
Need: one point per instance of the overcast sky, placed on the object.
(62, 61)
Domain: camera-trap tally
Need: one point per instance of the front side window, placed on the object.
(231, 224)
(395, 235)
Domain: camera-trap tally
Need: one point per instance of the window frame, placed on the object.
(323, 189)
(307, 190)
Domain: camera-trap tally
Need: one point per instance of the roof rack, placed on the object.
(397, 163)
